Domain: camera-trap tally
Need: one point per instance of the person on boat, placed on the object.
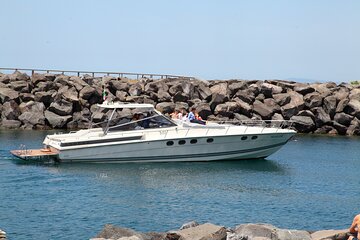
(192, 117)
(175, 114)
(354, 228)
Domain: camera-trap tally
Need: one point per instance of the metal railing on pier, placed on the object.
(95, 74)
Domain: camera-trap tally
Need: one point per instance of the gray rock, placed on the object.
(36, 78)
(329, 234)
(247, 96)
(135, 89)
(165, 107)
(296, 104)
(44, 97)
(180, 97)
(189, 225)
(261, 97)
(217, 98)
(227, 109)
(303, 89)
(87, 92)
(343, 118)
(282, 98)
(121, 95)
(245, 108)
(303, 124)
(341, 105)
(44, 87)
(354, 128)
(112, 232)
(262, 109)
(57, 121)
(321, 117)
(18, 76)
(236, 86)
(269, 89)
(341, 129)
(286, 234)
(10, 124)
(205, 231)
(220, 88)
(307, 113)
(26, 97)
(78, 83)
(20, 86)
(203, 91)
(69, 94)
(61, 107)
(7, 94)
(203, 109)
(32, 118)
(352, 108)
(330, 105)
(252, 231)
(313, 100)
(10, 110)
(324, 129)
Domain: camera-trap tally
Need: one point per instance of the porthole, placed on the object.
(182, 142)
(244, 138)
(254, 137)
(193, 141)
(170, 143)
(210, 140)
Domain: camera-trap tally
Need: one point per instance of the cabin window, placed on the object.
(170, 143)
(193, 141)
(254, 137)
(244, 138)
(210, 140)
(182, 142)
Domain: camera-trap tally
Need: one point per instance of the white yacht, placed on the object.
(156, 138)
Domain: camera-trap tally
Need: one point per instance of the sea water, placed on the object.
(312, 183)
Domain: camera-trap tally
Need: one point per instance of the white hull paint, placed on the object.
(222, 148)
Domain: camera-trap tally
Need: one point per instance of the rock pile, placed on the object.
(208, 231)
(45, 101)
(2, 235)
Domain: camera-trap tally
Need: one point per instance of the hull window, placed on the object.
(210, 140)
(193, 141)
(254, 137)
(243, 138)
(170, 143)
(182, 142)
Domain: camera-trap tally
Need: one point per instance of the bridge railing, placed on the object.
(95, 73)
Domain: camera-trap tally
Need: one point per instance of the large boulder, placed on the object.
(32, 118)
(343, 118)
(87, 92)
(245, 108)
(61, 107)
(267, 232)
(166, 107)
(354, 128)
(247, 95)
(303, 89)
(37, 78)
(203, 91)
(236, 86)
(217, 98)
(313, 99)
(7, 94)
(20, 86)
(353, 107)
(18, 76)
(321, 116)
(227, 109)
(303, 124)
(78, 83)
(45, 97)
(330, 105)
(112, 232)
(57, 121)
(341, 105)
(329, 235)
(282, 98)
(203, 109)
(135, 89)
(10, 124)
(10, 110)
(295, 105)
(263, 110)
(205, 231)
(269, 89)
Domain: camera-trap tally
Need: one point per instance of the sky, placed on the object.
(309, 40)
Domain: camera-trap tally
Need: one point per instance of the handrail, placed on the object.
(93, 73)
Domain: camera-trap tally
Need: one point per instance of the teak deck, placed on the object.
(35, 154)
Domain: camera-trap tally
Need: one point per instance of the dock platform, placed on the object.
(36, 154)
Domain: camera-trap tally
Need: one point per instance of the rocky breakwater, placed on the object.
(208, 231)
(44, 101)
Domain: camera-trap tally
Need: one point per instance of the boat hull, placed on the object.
(182, 149)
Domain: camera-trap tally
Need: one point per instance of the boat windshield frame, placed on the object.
(149, 107)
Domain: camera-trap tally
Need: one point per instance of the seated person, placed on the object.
(192, 117)
(354, 228)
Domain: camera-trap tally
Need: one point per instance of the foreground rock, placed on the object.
(208, 231)
(59, 100)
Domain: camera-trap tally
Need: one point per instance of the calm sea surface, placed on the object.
(312, 183)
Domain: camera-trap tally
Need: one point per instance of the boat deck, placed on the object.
(36, 154)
